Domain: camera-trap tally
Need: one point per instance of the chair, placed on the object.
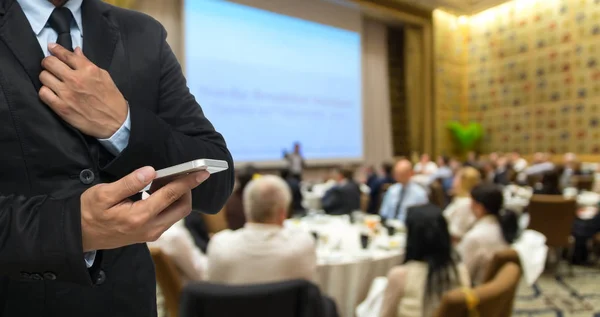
(583, 182)
(437, 196)
(296, 298)
(553, 216)
(169, 280)
(498, 261)
(492, 299)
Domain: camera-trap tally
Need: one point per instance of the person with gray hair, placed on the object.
(263, 251)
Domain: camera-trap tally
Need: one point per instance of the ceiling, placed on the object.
(457, 6)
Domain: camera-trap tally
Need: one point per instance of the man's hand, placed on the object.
(110, 220)
(81, 93)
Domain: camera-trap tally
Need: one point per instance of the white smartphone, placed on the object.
(212, 166)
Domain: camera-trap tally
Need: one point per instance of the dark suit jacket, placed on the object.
(45, 165)
(342, 199)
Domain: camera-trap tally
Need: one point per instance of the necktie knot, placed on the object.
(60, 20)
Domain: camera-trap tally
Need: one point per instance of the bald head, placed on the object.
(403, 171)
(266, 200)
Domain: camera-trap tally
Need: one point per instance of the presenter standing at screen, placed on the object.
(295, 162)
(76, 130)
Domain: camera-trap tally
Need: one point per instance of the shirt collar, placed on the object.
(38, 12)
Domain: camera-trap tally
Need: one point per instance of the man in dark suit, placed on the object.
(344, 197)
(82, 132)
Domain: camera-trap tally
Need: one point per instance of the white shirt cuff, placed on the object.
(120, 139)
(89, 258)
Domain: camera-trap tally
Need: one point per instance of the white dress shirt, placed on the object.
(459, 216)
(178, 244)
(261, 253)
(479, 245)
(429, 168)
(38, 12)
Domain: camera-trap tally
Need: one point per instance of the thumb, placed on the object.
(130, 184)
(78, 51)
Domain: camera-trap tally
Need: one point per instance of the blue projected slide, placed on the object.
(267, 80)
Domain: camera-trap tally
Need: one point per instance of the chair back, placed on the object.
(552, 216)
(296, 298)
(437, 196)
(492, 299)
(582, 182)
(169, 280)
(498, 261)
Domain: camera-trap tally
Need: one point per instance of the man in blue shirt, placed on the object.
(402, 195)
(92, 101)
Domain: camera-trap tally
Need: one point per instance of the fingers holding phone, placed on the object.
(109, 219)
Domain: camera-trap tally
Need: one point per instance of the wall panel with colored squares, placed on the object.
(534, 76)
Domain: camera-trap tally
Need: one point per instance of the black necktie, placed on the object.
(60, 21)
(400, 200)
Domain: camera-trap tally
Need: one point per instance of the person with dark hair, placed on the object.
(344, 197)
(550, 184)
(234, 209)
(430, 268)
(494, 230)
(387, 178)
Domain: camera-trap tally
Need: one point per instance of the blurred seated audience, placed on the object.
(443, 173)
(570, 168)
(402, 195)
(196, 225)
(458, 214)
(518, 163)
(178, 244)
(503, 172)
(344, 197)
(371, 177)
(296, 207)
(263, 251)
(431, 267)
(550, 184)
(425, 165)
(234, 208)
(386, 178)
(472, 160)
(487, 169)
(540, 165)
(494, 230)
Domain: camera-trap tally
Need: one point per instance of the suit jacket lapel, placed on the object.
(16, 32)
(100, 34)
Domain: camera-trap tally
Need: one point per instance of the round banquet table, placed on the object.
(345, 270)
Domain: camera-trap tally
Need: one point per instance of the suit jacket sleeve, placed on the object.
(331, 199)
(37, 239)
(176, 133)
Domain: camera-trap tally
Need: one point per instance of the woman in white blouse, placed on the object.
(494, 230)
(458, 214)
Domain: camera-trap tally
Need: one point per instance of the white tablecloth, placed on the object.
(345, 271)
